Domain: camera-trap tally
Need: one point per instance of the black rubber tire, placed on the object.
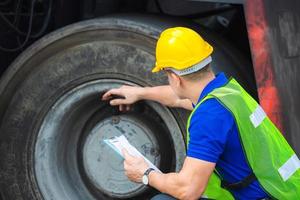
(29, 84)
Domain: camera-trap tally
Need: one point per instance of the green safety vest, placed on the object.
(272, 160)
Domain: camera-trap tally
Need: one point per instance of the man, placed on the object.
(228, 132)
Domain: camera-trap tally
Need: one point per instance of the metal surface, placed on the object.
(59, 153)
(261, 54)
(273, 28)
(104, 167)
(222, 1)
(284, 39)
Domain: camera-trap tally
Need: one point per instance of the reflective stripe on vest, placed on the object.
(289, 167)
(270, 157)
(257, 116)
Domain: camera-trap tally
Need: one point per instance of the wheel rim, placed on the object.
(76, 125)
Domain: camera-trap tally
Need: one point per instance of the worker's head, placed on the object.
(181, 84)
(184, 55)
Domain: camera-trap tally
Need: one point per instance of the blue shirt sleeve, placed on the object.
(209, 129)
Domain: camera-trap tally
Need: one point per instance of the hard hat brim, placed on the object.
(156, 69)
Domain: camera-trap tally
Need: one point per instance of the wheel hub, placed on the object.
(105, 170)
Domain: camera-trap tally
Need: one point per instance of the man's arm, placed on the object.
(162, 94)
(188, 184)
(166, 96)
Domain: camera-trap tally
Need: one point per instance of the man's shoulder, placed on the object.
(211, 114)
(209, 128)
(211, 107)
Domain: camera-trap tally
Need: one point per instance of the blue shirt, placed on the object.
(214, 138)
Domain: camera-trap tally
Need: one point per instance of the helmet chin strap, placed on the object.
(193, 68)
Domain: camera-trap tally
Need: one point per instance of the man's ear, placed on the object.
(177, 79)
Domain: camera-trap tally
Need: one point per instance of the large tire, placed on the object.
(50, 109)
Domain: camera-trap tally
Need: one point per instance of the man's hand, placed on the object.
(130, 94)
(135, 167)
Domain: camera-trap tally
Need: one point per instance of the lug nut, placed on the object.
(115, 119)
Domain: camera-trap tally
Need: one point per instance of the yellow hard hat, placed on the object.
(180, 48)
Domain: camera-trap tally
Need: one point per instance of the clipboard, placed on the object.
(120, 142)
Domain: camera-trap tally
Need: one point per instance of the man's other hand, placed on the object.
(134, 167)
(123, 96)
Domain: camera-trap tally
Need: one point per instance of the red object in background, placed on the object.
(264, 73)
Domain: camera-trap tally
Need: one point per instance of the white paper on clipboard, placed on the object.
(120, 142)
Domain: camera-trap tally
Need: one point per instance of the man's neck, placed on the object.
(197, 87)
